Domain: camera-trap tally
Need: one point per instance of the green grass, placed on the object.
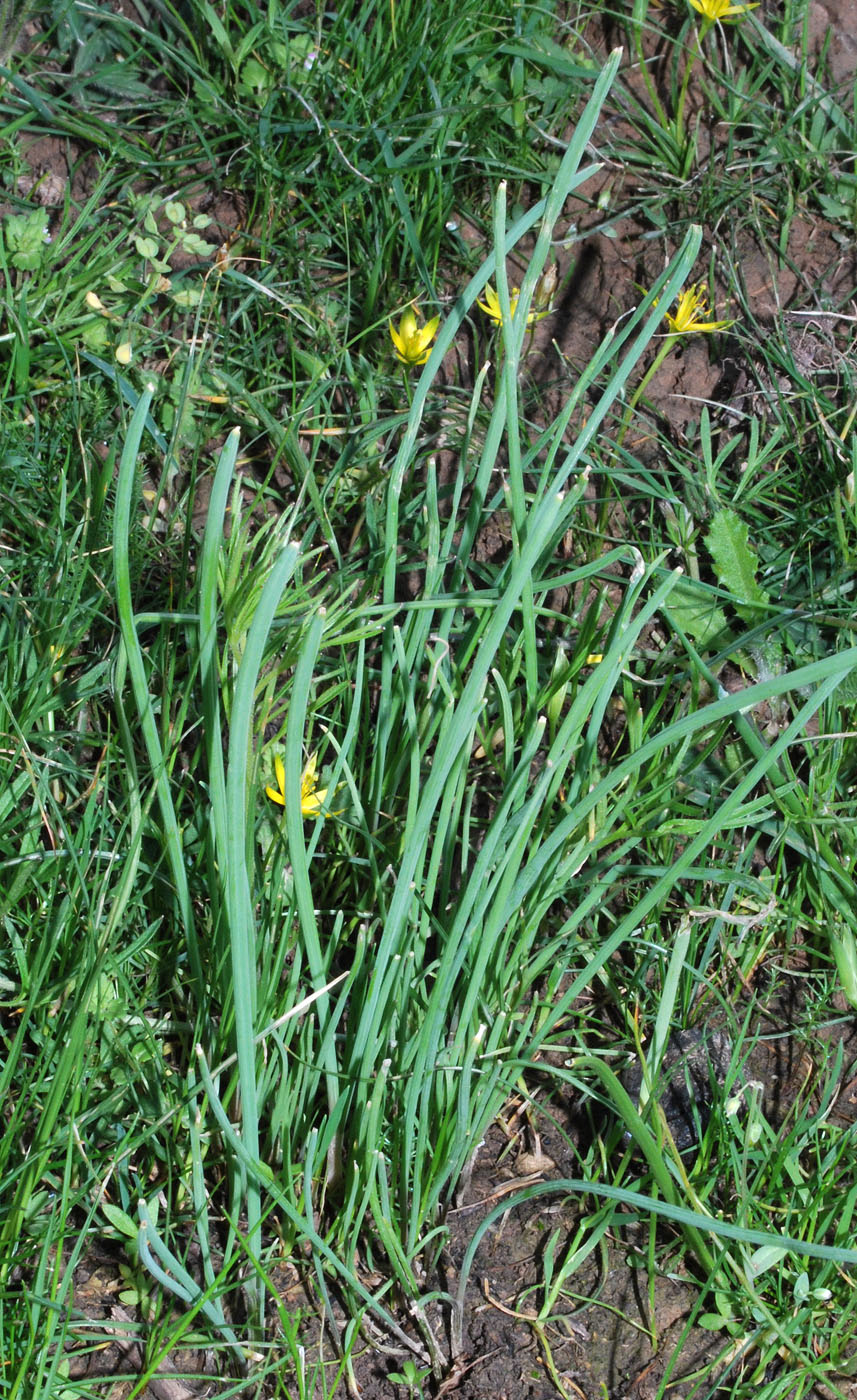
(580, 792)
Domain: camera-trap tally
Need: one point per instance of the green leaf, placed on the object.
(255, 81)
(119, 1220)
(193, 244)
(736, 564)
(25, 236)
(801, 1288)
(95, 334)
(187, 297)
(845, 954)
(712, 1322)
(146, 247)
(765, 1258)
(694, 609)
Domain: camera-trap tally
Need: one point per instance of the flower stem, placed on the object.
(688, 68)
(647, 378)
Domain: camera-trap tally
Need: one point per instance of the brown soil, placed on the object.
(612, 1333)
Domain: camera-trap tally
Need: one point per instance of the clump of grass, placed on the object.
(232, 1028)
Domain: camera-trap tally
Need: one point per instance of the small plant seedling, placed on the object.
(412, 1377)
(26, 237)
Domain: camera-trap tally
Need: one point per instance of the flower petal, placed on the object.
(312, 804)
(428, 332)
(412, 342)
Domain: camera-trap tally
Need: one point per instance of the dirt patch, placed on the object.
(616, 1332)
(109, 1338)
(813, 274)
(832, 30)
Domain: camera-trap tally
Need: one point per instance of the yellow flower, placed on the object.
(691, 312)
(491, 306)
(713, 10)
(312, 796)
(413, 342)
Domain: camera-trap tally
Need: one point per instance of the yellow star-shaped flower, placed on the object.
(691, 312)
(713, 10)
(312, 796)
(411, 341)
(491, 306)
